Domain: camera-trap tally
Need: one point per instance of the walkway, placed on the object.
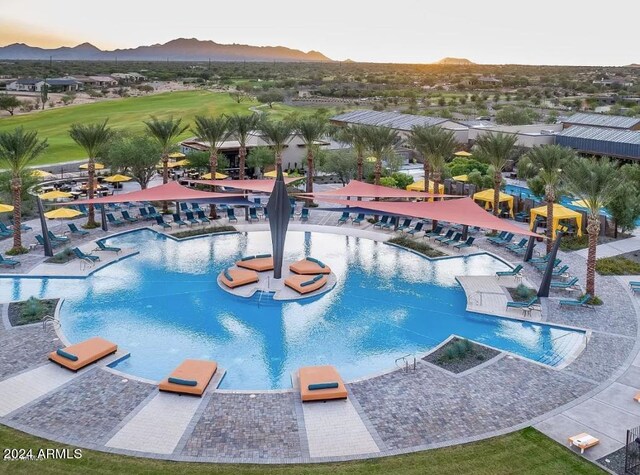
(614, 248)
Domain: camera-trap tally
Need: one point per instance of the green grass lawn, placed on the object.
(129, 113)
(524, 452)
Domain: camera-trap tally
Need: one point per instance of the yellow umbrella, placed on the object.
(176, 155)
(371, 159)
(274, 174)
(182, 163)
(62, 213)
(41, 174)
(581, 204)
(219, 176)
(98, 166)
(169, 165)
(5, 208)
(117, 178)
(464, 178)
(55, 194)
(462, 153)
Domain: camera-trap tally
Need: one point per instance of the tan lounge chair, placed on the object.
(320, 383)
(260, 263)
(303, 284)
(310, 266)
(78, 356)
(583, 441)
(233, 278)
(191, 377)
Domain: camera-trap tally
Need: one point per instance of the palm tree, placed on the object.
(165, 132)
(311, 130)
(241, 126)
(277, 135)
(91, 137)
(355, 136)
(546, 165)
(496, 150)
(17, 150)
(596, 181)
(435, 144)
(380, 142)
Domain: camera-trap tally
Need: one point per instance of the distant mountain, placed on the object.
(455, 61)
(181, 49)
(634, 65)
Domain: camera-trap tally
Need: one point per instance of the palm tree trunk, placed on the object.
(427, 172)
(165, 179)
(91, 219)
(310, 171)
(242, 158)
(278, 158)
(593, 229)
(16, 190)
(360, 166)
(550, 236)
(436, 182)
(213, 168)
(378, 170)
(497, 180)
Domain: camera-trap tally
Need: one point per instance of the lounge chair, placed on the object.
(560, 272)
(78, 232)
(304, 215)
(191, 377)
(78, 356)
(309, 266)
(537, 260)
(435, 233)
(265, 214)
(446, 237)
(55, 237)
(233, 278)
(503, 242)
(455, 239)
(161, 222)
(344, 218)
(358, 219)
(542, 265)
(127, 217)
(528, 304)
(253, 215)
(231, 215)
(499, 237)
(203, 219)
(570, 284)
(144, 214)
(467, 243)
(257, 201)
(417, 229)
(6, 234)
(40, 241)
(634, 283)
(581, 302)
(384, 220)
(153, 213)
(583, 441)
(4, 262)
(85, 257)
(195, 207)
(292, 213)
(405, 226)
(113, 220)
(516, 247)
(510, 273)
(83, 209)
(522, 217)
(191, 218)
(320, 383)
(304, 284)
(177, 220)
(103, 247)
(184, 207)
(259, 263)
(77, 208)
(23, 227)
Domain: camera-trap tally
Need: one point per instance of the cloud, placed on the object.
(12, 32)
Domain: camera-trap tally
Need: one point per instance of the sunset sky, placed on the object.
(401, 31)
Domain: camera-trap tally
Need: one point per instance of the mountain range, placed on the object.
(455, 61)
(181, 49)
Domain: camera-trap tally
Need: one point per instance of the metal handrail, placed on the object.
(49, 319)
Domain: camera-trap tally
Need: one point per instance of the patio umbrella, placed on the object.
(98, 166)
(274, 174)
(5, 208)
(117, 178)
(54, 195)
(62, 213)
(176, 155)
(462, 153)
(219, 176)
(41, 174)
(463, 178)
(169, 165)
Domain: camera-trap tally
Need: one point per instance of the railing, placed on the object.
(49, 319)
(405, 363)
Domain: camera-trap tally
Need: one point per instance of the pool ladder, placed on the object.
(405, 364)
(49, 319)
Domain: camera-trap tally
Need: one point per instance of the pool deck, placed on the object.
(390, 413)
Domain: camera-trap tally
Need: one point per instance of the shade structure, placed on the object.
(176, 155)
(274, 174)
(279, 208)
(219, 176)
(98, 166)
(5, 208)
(419, 186)
(461, 211)
(169, 164)
(117, 178)
(487, 197)
(559, 213)
(264, 186)
(41, 174)
(55, 195)
(360, 189)
(62, 213)
(172, 191)
(462, 153)
(463, 178)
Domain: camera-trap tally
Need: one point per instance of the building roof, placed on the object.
(61, 82)
(392, 120)
(602, 134)
(598, 120)
(28, 81)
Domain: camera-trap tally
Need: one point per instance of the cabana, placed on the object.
(419, 186)
(559, 213)
(487, 197)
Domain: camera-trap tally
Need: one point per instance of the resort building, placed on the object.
(599, 120)
(624, 144)
(66, 84)
(24, 85)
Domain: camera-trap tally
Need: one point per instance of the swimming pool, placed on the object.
(164, 305)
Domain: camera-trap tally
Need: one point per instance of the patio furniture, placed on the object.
(153, 212)
(583, 441)
(542, 265)
(233, 278)
(406, 225)
(231, 216)
(499, 237)
(177, 220)
(127, 217)
(571, 284)
(384, 220)
(320, 383)
(4, 262)
(78, 356)
(23, 227)
(195, 207)
(112, 220)
(344, 218)
(358, 219)
(78, 232)
(391, 223)
(184, 207)
(309, 266)
(85, 257)
(144, 214)
(435, 233)
(560, 272)
(40, 241)
(503, 242)
(455, 239)
(161, 222)
(304, 284)
(467, 243)
(446, 237)
(191, 377)
(191, 218)
(253, 215)
(510, 273)
(581, 302)
(202, 217)
(55, 237)
(103, 247)
(418, 228)
(5, 230)
(516, 247)
(259, 263)
(527, 304)
(304, 215)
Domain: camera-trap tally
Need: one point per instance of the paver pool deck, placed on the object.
(385, 414)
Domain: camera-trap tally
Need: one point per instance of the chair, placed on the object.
(191, 218)
(391, 223)
(455, 239)
(77, 208)
(446, 237)
(153, 212)
(358, 219)
(581, 302)
(184, 207)
(304, 215)
(542, 265)
(195, 207)
(435, 233)
(467, 243)
(384, 220)
(515, 247)
(536, 260)
(344, 218)
(8, 262)
(53, 237)
(5, 230)
(40, 241)
(178, 220)
(85, 257)
(565, 285)
(320, 383)
(527, 304)
(23, 227)
(103, 247)
(503, 242)
(127, 217)
(253, 215)
(562, 271)
(78, 232)
(78, 356)
(112, 220)
(144, 214)
(522, 217)
(233, 278)
(202, 217)
(309, 266)
(304, 284)
(418, 228)
(499, 237)
(405, 226)
(259, 263)
(266, 214)
(83, 209)
(231, 215)
(161, 222)
(510, 273)
(191, 377)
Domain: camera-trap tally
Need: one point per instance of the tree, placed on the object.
(93, 138)
(342, 163)
(625, 206)
(241, 126)
(238, 96)
(277, 135)
(547, 164)
(270, 97)
(260, 157)
(165, 132)
(9, 103)
(511, 115)
(496, 150)
(381, 142)
(596, 182)
(311, 130)
(355, 136)
(133, 155)
(436, 145)
(44, 94)
(17, 150)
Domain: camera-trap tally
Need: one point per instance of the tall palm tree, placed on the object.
(596, 181)
(380, 142)
(241, 126)
(435, 144)
(496, 150)
(17, 150)
(91, 137)
(277, 135)
(546, 165)
(165, 132)
(311, 130)
(355, 136)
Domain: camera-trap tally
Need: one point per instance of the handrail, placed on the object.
(406, 366)
(49, 319)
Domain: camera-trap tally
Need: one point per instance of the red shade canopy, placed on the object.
(360, 189)
(462, 211)
(265, 186)
(172, 191)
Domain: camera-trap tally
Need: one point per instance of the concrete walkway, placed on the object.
(614, 248)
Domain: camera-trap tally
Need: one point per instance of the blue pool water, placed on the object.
(164, 305)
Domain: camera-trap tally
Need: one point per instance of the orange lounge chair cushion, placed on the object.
(306, 267)
(317, 375)
(87, 352)
(295, 282)
(240, 277)
(200, 371)
(260, 264)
